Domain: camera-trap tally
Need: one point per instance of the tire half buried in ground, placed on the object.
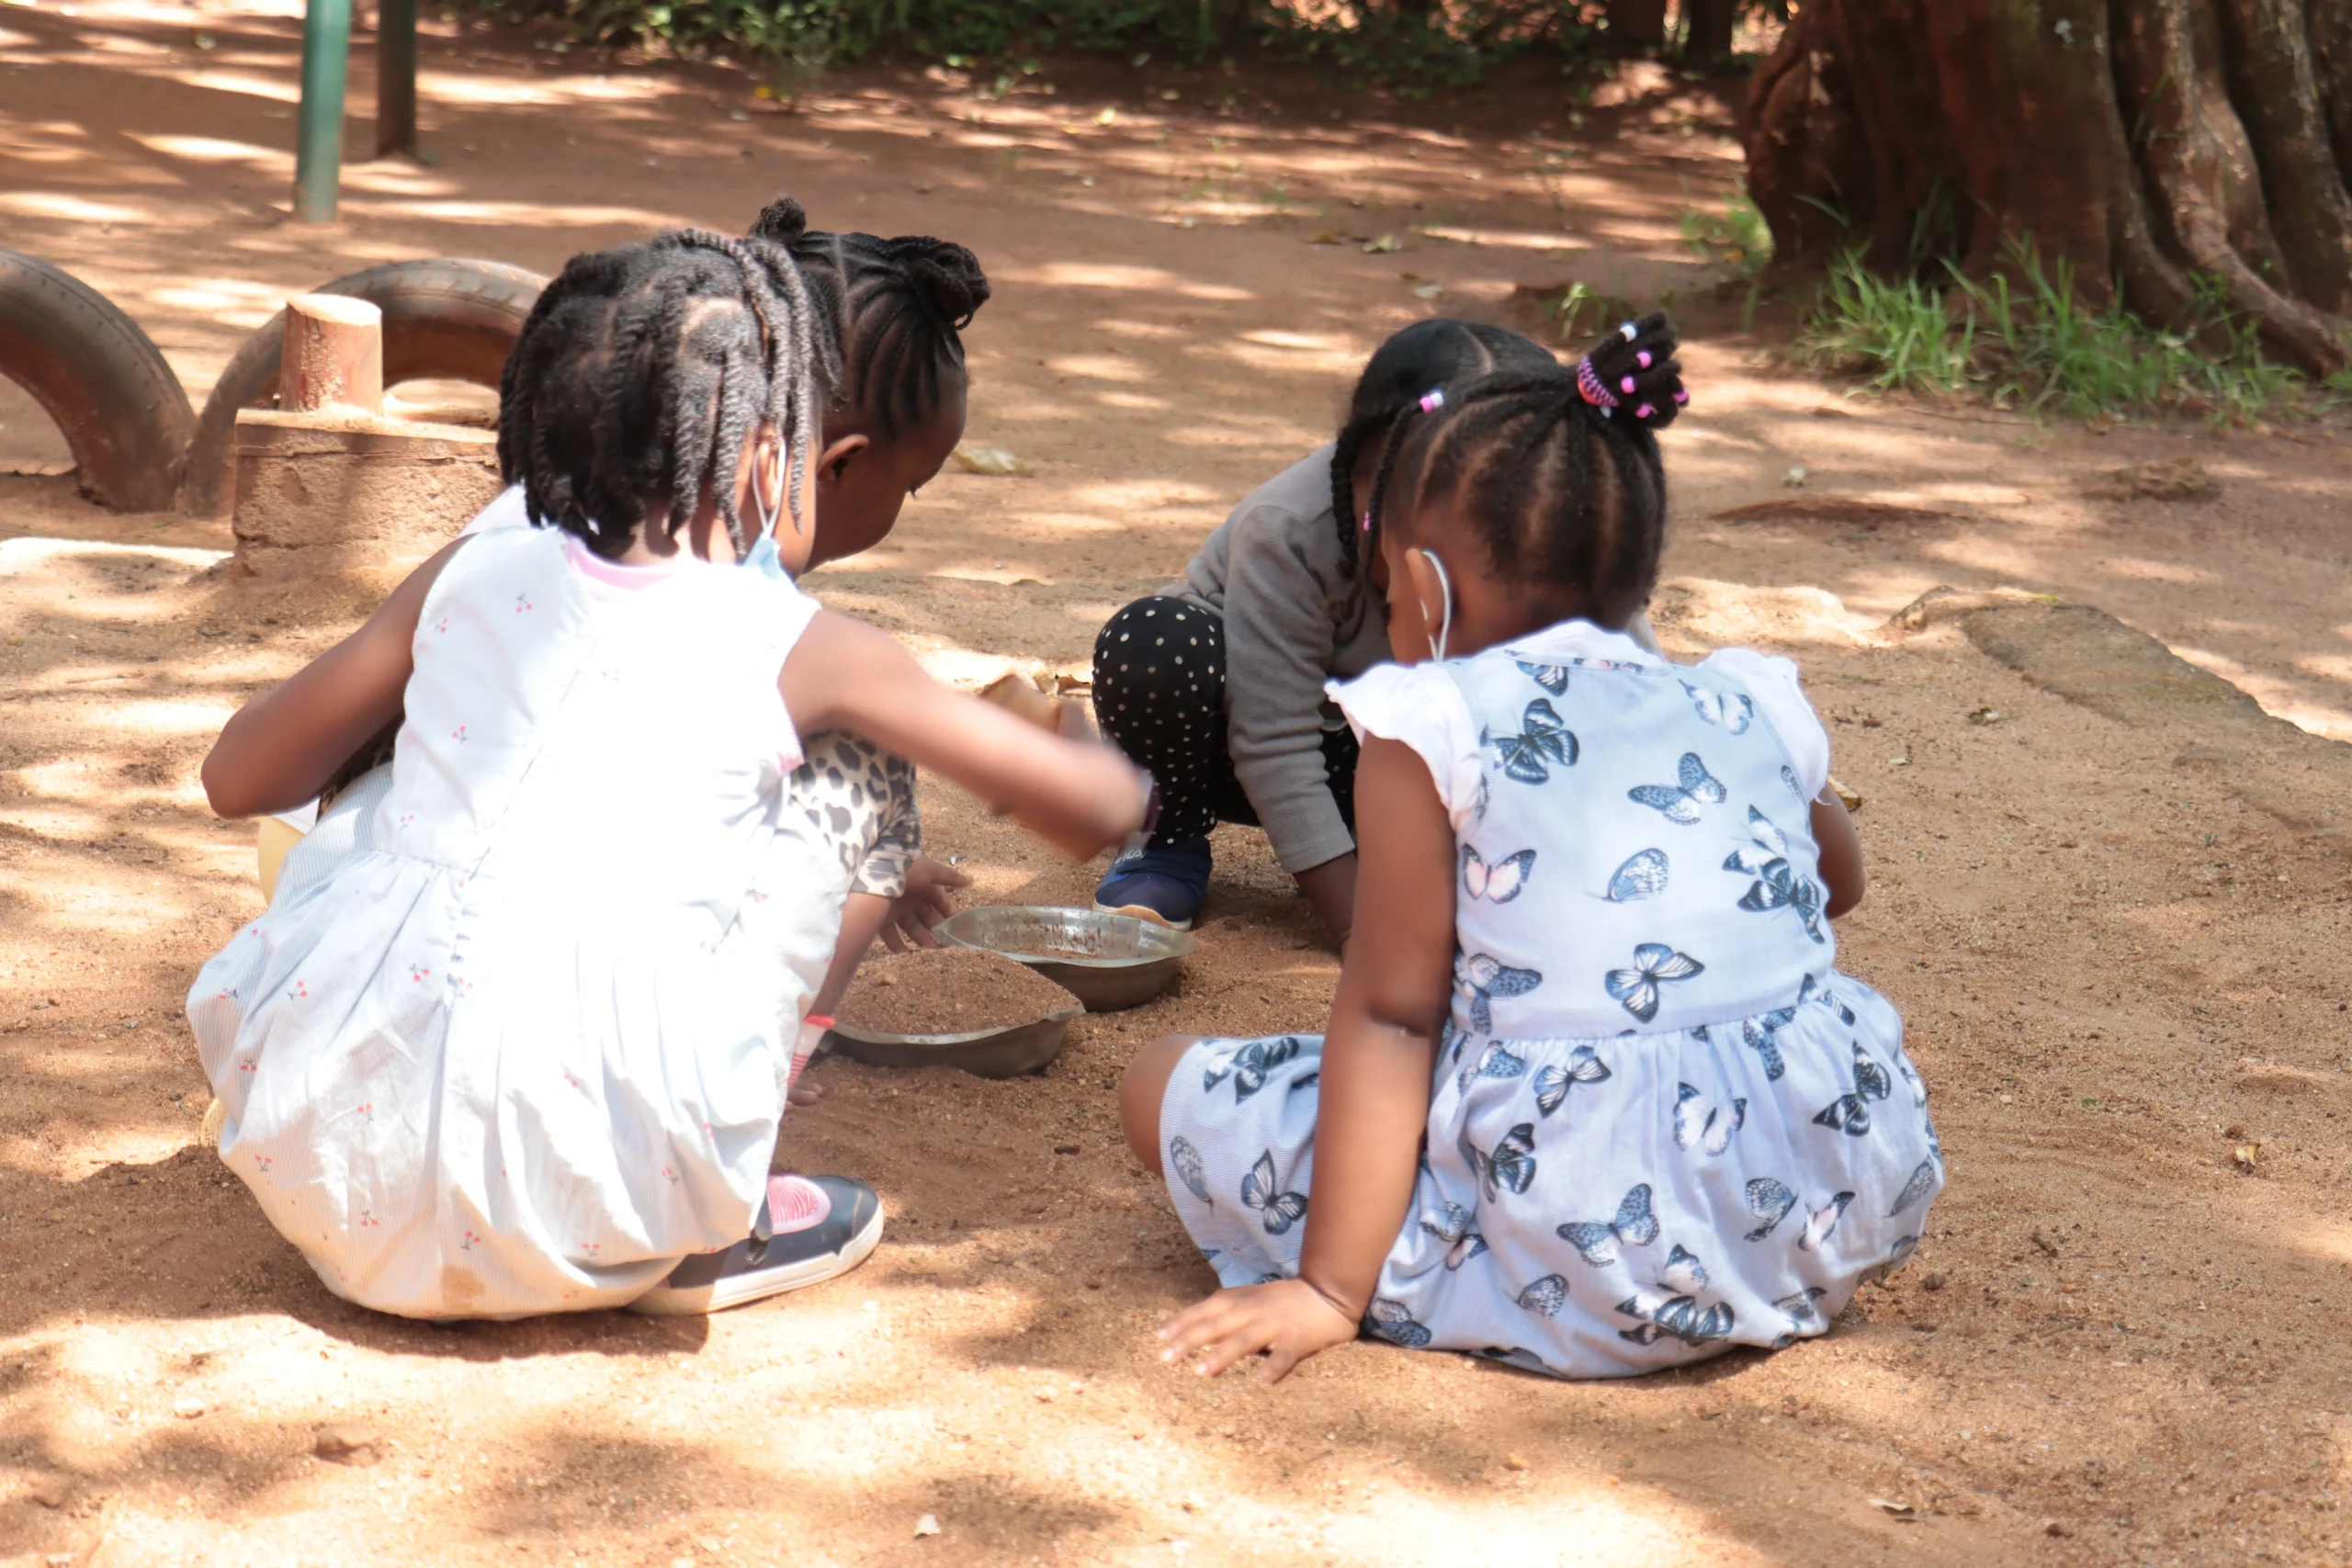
(120, 407)
(444, 319)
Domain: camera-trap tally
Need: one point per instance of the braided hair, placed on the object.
(1559, 470)
(1414, 361)
(891, 311)
(641, 375)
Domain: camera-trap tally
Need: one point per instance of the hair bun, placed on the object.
(944, 275)
(1632, 373)
(781, 221)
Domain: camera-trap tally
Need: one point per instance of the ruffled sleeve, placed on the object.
(507, 509)
(1420, 706)
(1774, 682)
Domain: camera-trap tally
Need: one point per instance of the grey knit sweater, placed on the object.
(1271, 570)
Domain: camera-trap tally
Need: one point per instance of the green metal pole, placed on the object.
(318, 147)
(395, 77)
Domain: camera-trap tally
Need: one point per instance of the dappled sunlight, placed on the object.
(2086, 925)
(68, 208)
(1290, 358)
(1140, 279)
(502, 214)
(274, 88)
(1098, 368)
(2280, 697)
(213, 150)
(1734, 613)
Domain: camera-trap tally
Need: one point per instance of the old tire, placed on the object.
(445, 318)
(121, 410)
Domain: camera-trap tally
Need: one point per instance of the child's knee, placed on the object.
(1142, 1089)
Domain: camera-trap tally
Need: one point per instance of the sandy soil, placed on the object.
(2117, 1344)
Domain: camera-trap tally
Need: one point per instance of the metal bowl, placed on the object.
(987, 1053)
(1107, 961)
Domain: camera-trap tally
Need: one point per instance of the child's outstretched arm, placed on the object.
(280, 749)
(1377, 1059)
(845, 674)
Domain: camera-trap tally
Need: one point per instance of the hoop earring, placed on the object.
(1445, 621)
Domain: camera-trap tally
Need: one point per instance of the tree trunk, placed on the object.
(1637, 24)
(1707, 25)
(2147, 143)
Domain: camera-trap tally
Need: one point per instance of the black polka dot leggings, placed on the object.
(1159, 695)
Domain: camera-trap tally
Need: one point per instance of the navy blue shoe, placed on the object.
(1162, 882)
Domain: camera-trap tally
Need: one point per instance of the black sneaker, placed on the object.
(809, 1229)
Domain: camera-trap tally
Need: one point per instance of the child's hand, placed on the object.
(1289, 1320)
(923, 905)
(846, 675)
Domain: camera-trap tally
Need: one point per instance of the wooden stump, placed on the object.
(339, 492)
(333, 355)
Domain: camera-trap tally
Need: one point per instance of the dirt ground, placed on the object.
(2119, 956)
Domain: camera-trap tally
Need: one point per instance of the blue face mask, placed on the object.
(763, 557)
(766, 559)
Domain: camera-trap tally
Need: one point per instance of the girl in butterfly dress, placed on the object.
(518, 1050)
(1594, 1099)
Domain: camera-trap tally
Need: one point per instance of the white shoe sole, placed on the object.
(742, 1288)
(1143, 912)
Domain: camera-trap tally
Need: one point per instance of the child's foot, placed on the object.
(1162, 881)
(810, 1229)
(797, 1090)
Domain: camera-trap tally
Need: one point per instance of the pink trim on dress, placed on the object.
(614, 574)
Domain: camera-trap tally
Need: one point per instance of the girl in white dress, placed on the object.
(1594, 1099)
(516, 1049)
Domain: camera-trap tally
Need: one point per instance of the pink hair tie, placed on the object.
(1433, 399)
(1589, 387)
(1367, 522)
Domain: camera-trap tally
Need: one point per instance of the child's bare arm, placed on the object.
(1375, 1088)
(844, 674)
(281, 749)
(1841, 852)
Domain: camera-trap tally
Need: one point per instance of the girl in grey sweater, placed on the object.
(1216, 685)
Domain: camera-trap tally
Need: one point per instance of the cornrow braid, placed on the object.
(1425, 357)
(1565, 487)
(891, 311)
(643, 374)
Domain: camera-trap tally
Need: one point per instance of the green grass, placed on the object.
(1736, 235)
(1580, 310)
(2024, 338)
(1900, 335)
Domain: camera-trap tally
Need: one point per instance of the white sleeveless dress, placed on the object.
(508, 1040)
(1661, 1123)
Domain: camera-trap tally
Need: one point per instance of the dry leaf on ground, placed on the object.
(992, 460)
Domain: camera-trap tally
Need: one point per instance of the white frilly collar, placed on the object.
(1582, 639)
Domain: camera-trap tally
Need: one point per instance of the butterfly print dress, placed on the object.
(507, 1040)
(1662, 1123)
